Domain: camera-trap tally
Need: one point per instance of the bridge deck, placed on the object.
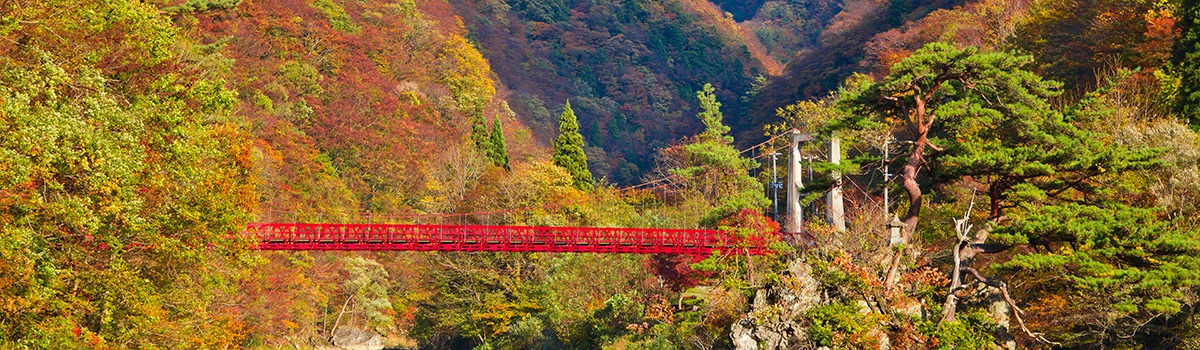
(298, 236)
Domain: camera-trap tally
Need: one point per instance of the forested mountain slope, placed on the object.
(631, 69)
(123, 172)
(633, 66)
(1046, 197)
(350, 99)
(835, 48)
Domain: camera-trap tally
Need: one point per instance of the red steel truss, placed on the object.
(458, 238)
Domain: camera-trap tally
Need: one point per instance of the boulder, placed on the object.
(351, 338)
(774, 319)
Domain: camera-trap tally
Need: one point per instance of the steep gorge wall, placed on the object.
(351, 102)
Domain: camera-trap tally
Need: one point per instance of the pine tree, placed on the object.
(1187, 60)
(568, 150)
(1046, 181)
(499, 148)
(713, 168)
(710, 115)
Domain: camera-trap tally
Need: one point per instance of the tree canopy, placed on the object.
(123, 176)
(967, 105)
(1186, 58)
(712, 168)
(568, 149)
(980, 120)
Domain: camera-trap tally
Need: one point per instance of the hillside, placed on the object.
(353, 103)
(631, 69)
(1043, 161)
(1074, 42)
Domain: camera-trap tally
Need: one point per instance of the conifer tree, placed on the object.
(480, 135)
(1187, 60)
(568, 150)
(490, 143)
(1045, 178)
(499, 148)
(712, 168)
(710, 115)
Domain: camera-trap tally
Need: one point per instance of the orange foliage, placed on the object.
(346, 119)
(985, 24)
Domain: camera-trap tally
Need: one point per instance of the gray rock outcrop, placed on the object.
(774, 319)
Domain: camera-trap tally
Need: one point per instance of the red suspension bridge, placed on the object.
(475, 238)
(465, 238)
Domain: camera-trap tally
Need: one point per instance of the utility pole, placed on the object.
(887, 177)
(795, 219)
(812, 206)
(835, 212)
(775, 184)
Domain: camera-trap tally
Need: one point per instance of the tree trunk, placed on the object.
(964, 253)
(343, 312)
(914, 203)
(951, 304)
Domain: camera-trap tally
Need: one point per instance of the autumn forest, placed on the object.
(1010, 173)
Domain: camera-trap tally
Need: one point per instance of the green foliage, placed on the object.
(303, 78)
(988, 114)
(499, 151)
(608, 324)
(963, 86)
(1051, 181)
(338, 19)
(896, 11)
(548, 11)
(1143, 263)
(841, 325)
(483, 297)
(368, 287)
(721, 177)
(710, 115)
(713, 169)
(264, 102)
(972, 330)
(120, 184)
(1186, 58)
(522, 301)
(203, 5)
(568, 150)
(482, 137)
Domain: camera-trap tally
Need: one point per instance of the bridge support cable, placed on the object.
(467, 238)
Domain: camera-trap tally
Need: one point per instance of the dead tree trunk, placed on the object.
(962, 248)
(965, 249)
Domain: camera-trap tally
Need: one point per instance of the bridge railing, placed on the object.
(302, 236)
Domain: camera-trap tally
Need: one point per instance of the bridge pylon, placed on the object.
(794, 220)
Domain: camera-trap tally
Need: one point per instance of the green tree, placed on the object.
(568, 150)
(499, 148)
(712, 168)
(488, 300)
(1186, 58)
(1047, 180)
(490, 143)
(1099, 242)
(710, 115)
(481, 137)
(942, 88)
